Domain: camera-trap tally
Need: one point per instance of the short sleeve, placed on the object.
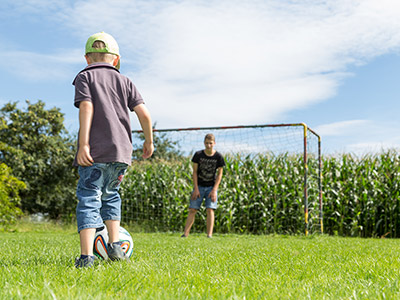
(82, 90)
(221, 162)
(134, 98)
(196, 158)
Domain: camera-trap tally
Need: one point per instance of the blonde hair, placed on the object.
(209, 136)
(100, 56)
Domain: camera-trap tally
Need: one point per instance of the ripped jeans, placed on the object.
(98, 195)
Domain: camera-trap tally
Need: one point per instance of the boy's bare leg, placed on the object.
(113, 230)
(87, 240)
(210, 221)
(189, 221)
(115, 251)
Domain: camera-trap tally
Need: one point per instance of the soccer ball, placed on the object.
(101, 240)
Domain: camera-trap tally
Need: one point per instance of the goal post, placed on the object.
(308, 131)
(272, 172)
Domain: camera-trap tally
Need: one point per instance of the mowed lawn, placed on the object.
(37, 263)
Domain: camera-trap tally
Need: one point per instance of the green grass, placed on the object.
(37, 263)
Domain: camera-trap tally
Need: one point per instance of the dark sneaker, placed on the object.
(86, 262)
(115, 252)
(183, 236)
(209, 236)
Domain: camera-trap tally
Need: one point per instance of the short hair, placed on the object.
(100, 56)
(209, 136)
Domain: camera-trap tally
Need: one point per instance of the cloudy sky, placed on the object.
(334, 64)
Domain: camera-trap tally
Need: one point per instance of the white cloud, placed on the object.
(343, 128)
(370, 147)
(210, 63)
(359, 136)
(223, 62)
(41, 67)
(32, 7)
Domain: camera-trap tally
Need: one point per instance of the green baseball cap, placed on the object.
(111, 45)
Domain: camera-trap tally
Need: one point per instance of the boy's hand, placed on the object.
(83, 157)
(148, 149)
(195, 194)
(213, 195)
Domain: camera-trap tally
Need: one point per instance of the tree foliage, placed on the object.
(10, 188)
(40, 152)
(164, 148)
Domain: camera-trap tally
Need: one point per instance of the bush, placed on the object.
(9, 196)
(40, 152)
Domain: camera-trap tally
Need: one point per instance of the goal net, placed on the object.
(271, 182)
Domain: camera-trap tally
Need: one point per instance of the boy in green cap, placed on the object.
(104, 98)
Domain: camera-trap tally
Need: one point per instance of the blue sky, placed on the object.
(334, 65)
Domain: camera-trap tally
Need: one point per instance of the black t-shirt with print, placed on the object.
(207, 167)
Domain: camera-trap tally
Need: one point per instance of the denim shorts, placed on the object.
(204, 192)
(97, 193)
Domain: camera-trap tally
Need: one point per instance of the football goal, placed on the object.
(272, 181)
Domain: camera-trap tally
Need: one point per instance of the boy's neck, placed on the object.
(209, 152)
(99, 62)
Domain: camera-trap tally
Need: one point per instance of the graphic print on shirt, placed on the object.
(207, 168)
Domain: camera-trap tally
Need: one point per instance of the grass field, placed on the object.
(37, 263)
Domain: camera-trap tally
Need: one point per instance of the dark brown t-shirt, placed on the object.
(112, 95)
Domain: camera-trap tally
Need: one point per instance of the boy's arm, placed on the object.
(83, 156)
(145, 122)
(196, 192)
(213, 193)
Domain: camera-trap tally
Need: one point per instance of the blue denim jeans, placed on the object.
(204, 192)
(97, 193)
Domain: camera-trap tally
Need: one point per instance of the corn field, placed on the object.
(361, 195)
(264, 195)
(262, 188)
(259, 194)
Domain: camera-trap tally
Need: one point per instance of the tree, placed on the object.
(10, 188)
(40, 152)
(164, 148)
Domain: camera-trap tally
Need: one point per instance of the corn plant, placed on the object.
(258, 194)
(361, 195)
(264, 194)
